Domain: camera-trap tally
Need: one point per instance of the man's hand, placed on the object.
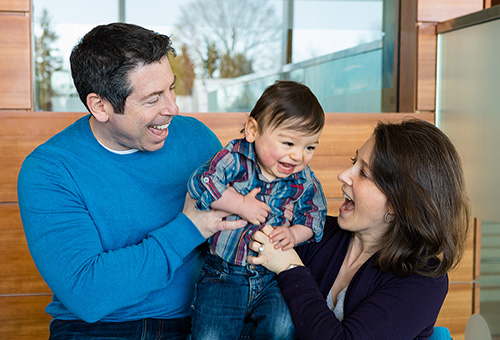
(209, 222)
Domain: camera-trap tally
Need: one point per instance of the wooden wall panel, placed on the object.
(226, 126)
(465, 271)
(456, 309)
(426, 67)
(18, 274)
(20, 133)
(441, 10)
(15, 5)
(15, 64)
(23, 317)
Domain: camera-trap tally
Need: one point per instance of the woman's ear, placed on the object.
(98, 107)
(251, 129)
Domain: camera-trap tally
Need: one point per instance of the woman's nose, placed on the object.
(344, 176)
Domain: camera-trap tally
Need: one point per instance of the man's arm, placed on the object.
(210, 221)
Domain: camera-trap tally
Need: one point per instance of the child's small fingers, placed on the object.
(281, 243)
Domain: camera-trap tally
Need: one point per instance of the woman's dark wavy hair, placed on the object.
(104, 57)
(419, 170)
(290, 103)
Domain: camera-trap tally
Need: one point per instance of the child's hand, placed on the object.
(253, 210)
(283, 237)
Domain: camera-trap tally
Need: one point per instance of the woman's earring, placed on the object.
(386, 217)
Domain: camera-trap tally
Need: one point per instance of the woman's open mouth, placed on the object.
(348, 204)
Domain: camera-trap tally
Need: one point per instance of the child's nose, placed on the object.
(296, 155)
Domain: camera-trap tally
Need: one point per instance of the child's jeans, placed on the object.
(227, 295)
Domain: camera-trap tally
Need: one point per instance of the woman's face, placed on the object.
(365, 206)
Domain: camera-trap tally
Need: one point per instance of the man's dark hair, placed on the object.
(104, 57)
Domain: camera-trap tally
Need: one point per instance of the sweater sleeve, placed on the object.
(67, 250)
(397, 308)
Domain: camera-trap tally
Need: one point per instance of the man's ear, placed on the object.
(98, 107)
(251, 129)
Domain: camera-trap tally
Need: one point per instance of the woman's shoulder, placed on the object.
(371, 278)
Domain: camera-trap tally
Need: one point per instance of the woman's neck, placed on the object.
(359, 252)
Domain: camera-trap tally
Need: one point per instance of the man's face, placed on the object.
(149, 109)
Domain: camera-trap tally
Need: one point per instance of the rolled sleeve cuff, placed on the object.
(213, 192)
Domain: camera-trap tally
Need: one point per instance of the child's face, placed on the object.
(284, 151)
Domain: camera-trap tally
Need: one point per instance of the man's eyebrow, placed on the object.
(157, 93)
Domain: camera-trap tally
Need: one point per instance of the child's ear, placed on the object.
(98, 107)
(251, 129)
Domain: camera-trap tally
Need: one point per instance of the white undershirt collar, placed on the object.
(119, 152)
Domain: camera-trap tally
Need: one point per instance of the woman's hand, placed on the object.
(276, 260)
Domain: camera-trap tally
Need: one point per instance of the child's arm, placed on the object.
(288, 237)
(247, 207)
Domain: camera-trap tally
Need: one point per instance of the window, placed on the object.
(229, 51)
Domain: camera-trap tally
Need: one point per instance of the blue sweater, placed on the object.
(106, 231)
(377, 306)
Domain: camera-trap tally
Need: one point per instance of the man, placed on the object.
(103, 203)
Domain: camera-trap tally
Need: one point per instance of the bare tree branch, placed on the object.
(243, 33)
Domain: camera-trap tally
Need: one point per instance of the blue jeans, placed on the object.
(174, 329)
(228, 295)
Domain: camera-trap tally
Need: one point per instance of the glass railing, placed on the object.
(345, 81)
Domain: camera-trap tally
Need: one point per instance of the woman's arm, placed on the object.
(377, 305)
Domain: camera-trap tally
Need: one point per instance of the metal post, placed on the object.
(121, 10)
(288, 31)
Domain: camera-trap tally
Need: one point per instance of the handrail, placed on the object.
(489, 14)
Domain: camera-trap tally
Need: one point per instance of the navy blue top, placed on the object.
(377, 305)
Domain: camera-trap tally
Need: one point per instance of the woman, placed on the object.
(380, 270)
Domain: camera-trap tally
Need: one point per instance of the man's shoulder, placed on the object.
(68, 138)
(189, 122)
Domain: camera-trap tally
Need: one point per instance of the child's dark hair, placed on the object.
(291, 103)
